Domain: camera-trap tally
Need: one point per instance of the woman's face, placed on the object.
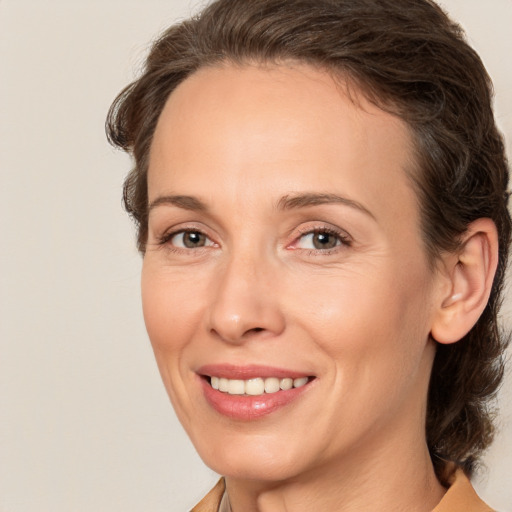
(284, 243)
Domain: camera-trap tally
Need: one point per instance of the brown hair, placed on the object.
(409, 58)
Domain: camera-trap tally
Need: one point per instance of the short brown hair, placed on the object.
(410, 59)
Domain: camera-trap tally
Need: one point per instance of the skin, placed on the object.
(357, 316)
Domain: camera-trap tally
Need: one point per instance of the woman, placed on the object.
(320, 193)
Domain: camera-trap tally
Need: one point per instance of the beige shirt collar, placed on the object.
(461, 497)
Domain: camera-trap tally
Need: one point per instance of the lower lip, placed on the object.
(247, 408)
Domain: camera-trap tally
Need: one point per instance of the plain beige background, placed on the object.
(85, 424)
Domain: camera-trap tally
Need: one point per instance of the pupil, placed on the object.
(193, 239)
(324, 241)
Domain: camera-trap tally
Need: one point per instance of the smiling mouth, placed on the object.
(257, 386)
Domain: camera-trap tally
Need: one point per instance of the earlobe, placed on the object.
(471, 273)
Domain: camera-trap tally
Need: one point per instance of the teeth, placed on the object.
(236, 387)
(223, 385)
(272, 385)
(298, 383)
(286, 384)
(256, 386)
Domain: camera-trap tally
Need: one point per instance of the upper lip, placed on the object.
(245, 372)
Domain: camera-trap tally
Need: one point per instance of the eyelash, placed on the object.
(342, 237)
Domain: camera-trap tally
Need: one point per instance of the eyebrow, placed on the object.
(287, 202)
(181, 201)
(290, 202)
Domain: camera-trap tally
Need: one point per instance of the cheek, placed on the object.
(377, 319)
(171, 315)
(169, 307)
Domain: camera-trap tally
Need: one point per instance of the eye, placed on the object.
(189, 239)
(321, 239)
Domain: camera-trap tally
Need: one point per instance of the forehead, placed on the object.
(288, 127)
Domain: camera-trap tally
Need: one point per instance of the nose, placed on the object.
(245, 302)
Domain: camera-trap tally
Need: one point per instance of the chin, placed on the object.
(260, 471)
(254, 458)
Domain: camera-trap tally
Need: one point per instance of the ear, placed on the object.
(470, 272)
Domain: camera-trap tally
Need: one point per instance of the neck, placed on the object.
(391, 473)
